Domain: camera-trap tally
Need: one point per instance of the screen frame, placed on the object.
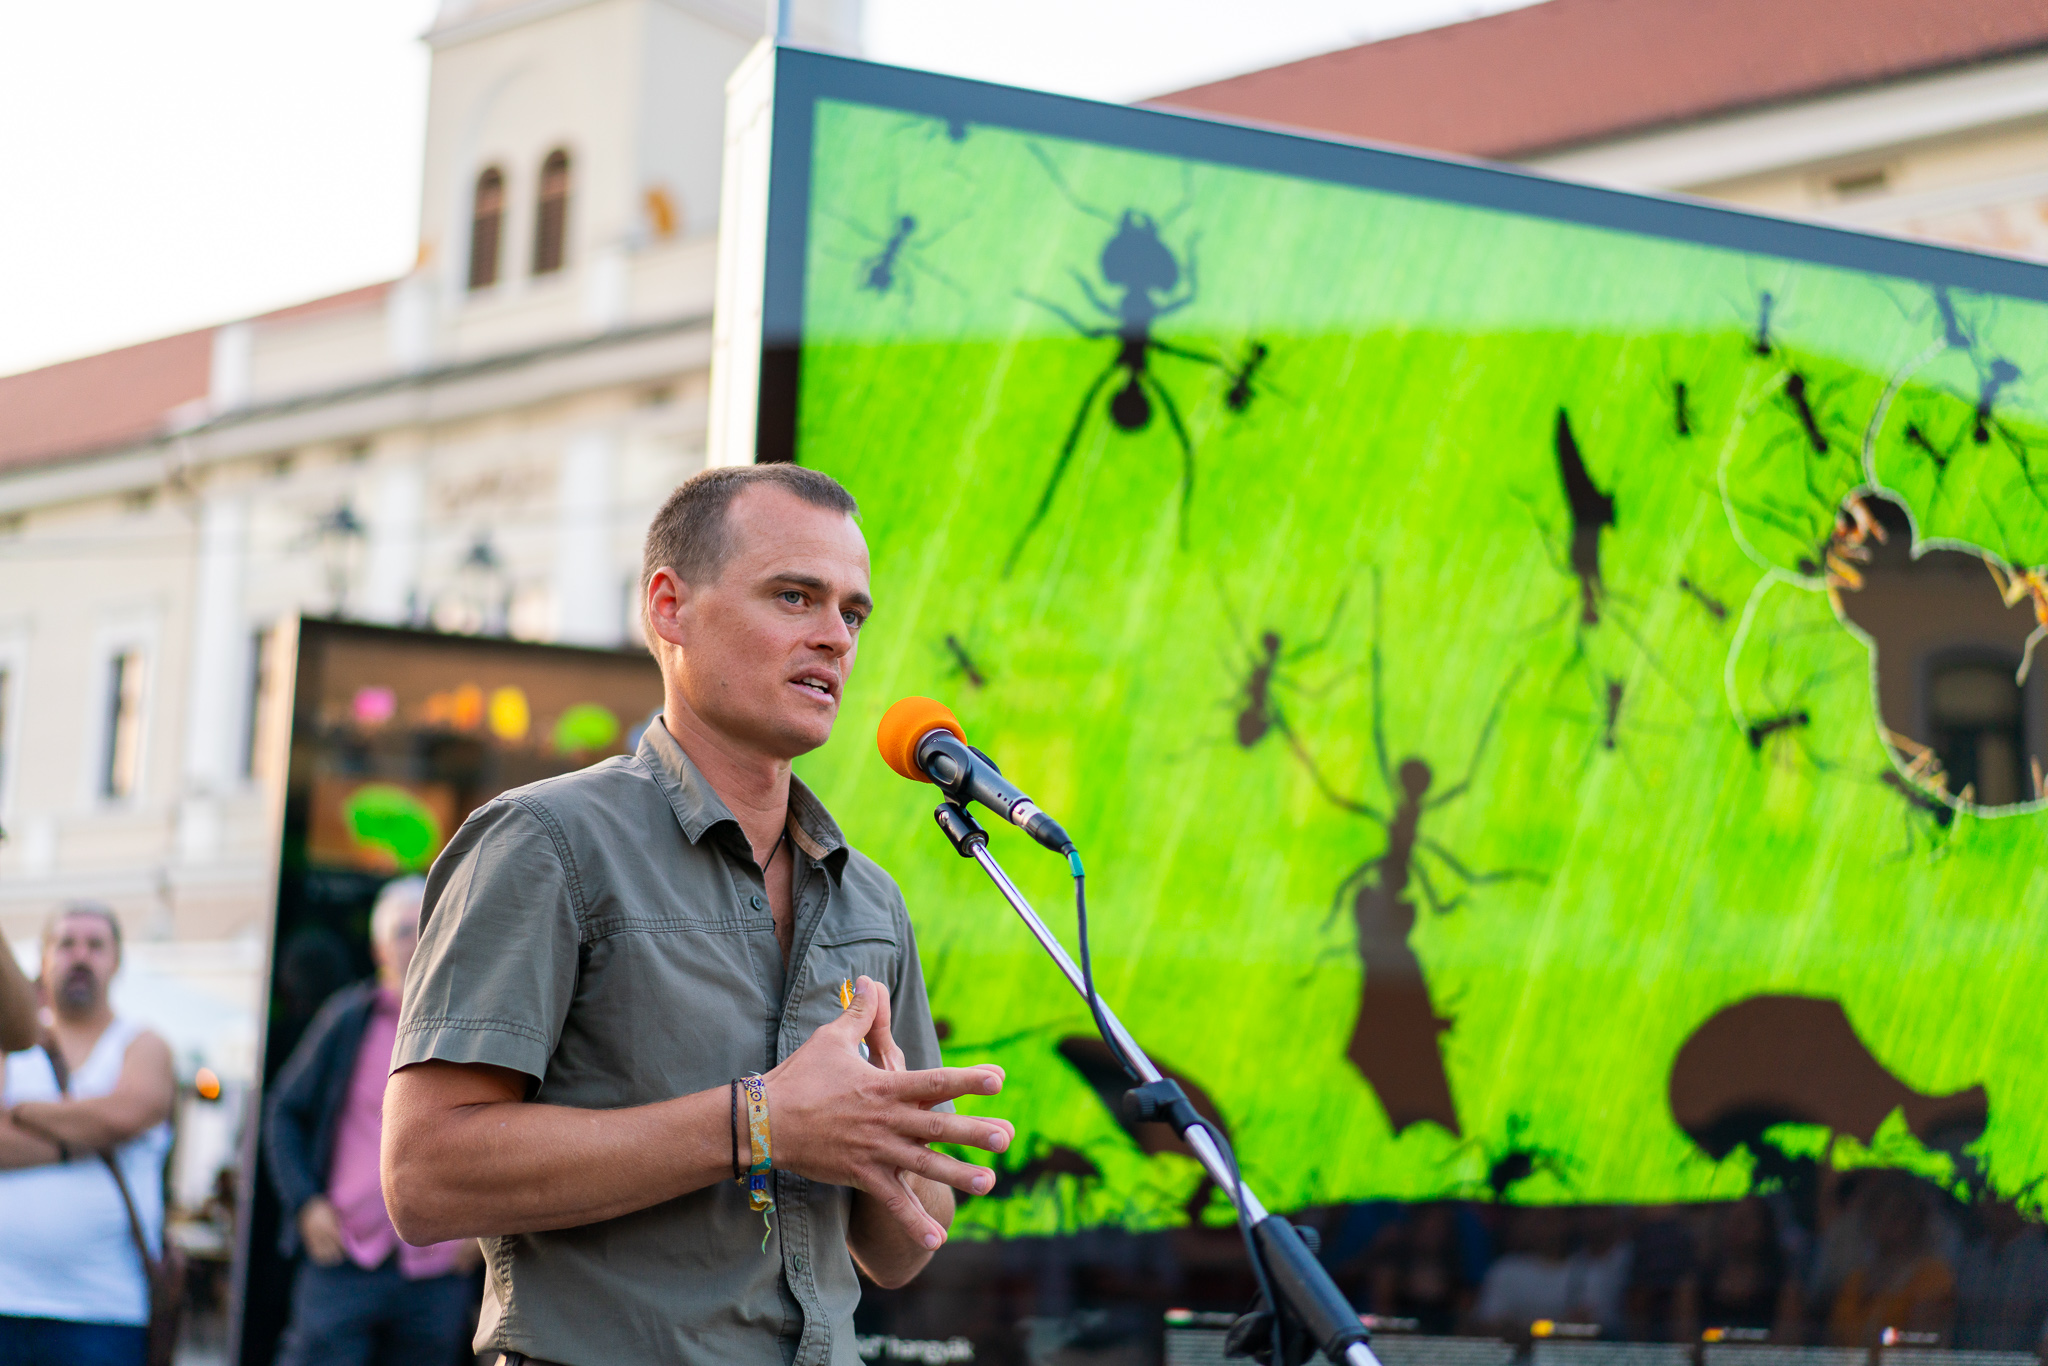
(803, 77)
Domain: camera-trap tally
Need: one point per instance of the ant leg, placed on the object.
(1329, 629)
(1100, 306)
(1092, 333)
(1379, 724)
(1457, 790)
(1187, 453)
(1059, 468)
(1330, 794)
(1356, 876)
(2027, 653)
(1476, 879)
(1429, 892)
(1060, 182)
(1189, 353)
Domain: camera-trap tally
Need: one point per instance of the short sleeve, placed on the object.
(910, 1010)
(496, 966)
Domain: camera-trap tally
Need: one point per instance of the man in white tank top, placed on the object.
(73, 1291)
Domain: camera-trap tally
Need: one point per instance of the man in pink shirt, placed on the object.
(361, 1295)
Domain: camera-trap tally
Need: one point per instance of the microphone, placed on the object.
(922, 740)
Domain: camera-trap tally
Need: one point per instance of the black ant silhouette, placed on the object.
(899, 256)
(964, 662)
(1137, 262)
(1592, 513)
(1761, 344)
(1918, 804)
(1241, 391)
(1395, 1041)
(1681, 411)
(881, 267)
(1260, 713)
(1520, 1160)
(1996, 377)
(1788, 719)
(1952, 329)
(1715, 608)
(1763, 728)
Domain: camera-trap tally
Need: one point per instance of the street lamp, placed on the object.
(341, 539)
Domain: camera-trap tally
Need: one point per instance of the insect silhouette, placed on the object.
(1396, 1038)
(1681, 409)
(1150, 283)
(1612, 717)
(1917, 438)
(1802, 406)
(1520, 1160)
(1996, 377)
(1592, 513)
(1953, 331)
(964, 662)
(1260, 712)
(1761, 344)
(1762, 728)
(881, 267)
(899, 256)
(1239, 396)
(1714, 607)
(1918, 803)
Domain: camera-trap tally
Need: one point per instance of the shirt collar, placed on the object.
(699, 808)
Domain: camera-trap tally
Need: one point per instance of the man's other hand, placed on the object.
(836, 1117)
(320, 1229)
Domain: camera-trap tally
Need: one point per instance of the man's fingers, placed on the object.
(947, 1171)
(893, 1190)
(973, 1131)
(948, 1083)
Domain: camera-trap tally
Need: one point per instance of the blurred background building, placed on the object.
(478, 445)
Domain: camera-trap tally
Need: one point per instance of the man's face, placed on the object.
(78, 963)
(394, 953)
(766, 647)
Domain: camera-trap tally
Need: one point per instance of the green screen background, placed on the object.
(1399, 443)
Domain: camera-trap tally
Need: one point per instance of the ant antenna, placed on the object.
(1061, 182)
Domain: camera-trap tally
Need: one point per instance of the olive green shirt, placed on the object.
(607, 933)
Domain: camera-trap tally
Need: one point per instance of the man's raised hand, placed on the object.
(837, 1118)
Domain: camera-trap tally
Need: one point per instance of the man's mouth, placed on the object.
(813, 683)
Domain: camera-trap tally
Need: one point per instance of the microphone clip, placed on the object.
(961, 829)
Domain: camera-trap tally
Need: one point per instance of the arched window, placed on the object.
(486, 228)
(551, 223)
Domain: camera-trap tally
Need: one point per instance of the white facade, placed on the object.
(427, 452)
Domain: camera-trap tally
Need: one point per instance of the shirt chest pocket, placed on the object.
(837, 960)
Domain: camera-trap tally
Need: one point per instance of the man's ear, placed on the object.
(664, 604)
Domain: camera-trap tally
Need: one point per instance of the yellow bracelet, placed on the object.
(760, 1190)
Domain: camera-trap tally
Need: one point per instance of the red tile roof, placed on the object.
(1575, 71)
(120, 397)
(98, 402)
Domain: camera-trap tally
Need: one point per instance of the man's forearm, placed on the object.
(20, 1148)
(17, 1005)
(881, 1246)
(510, 1166)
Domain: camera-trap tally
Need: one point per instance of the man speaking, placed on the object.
(630, 1056)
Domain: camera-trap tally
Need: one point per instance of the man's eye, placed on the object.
(791, 596)
(853, 620)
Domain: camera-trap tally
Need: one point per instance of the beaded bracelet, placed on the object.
(737, 1174)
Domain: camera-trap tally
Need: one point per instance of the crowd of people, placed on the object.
(87, 1102)
(1876, 1256)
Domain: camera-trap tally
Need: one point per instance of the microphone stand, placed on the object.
(1298, 1282)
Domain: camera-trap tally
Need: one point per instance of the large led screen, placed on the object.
(1544, 679)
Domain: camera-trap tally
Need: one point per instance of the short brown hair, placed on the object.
(692, 533)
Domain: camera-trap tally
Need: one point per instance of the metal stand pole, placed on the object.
(1297, 1277)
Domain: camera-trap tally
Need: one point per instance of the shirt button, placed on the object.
(755, 901)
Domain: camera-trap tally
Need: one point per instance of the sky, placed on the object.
(173, 165)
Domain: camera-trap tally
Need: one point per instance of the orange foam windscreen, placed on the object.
(909, 721)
